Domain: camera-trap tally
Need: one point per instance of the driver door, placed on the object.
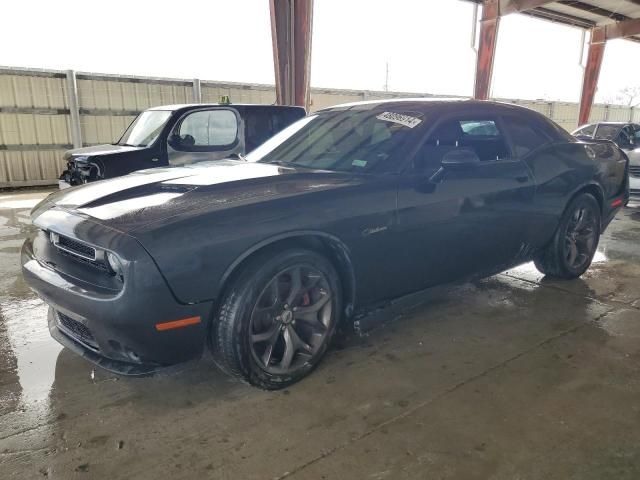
(464, 221)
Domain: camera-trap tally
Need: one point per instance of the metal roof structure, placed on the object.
(585, 14)
(292, 20)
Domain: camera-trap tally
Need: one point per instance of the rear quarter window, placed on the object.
(525, 136)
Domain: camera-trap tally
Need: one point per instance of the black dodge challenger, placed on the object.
(260, 258)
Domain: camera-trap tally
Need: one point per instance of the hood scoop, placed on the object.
(140, 192)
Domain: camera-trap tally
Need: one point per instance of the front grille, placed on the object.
(77, 331)
(79, 251)
(75, 247)
(634, 171)
(98, 265)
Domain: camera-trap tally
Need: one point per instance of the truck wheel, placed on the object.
(575, 242)
(277, 318)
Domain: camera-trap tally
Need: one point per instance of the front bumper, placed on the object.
(121, 367)
(78, 173)
(114, 329)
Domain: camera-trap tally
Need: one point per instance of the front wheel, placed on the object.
(277, 318)
(575, 242)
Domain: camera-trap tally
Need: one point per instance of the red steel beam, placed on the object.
(291, 27)
(513, 6)
(591, 74)
(599, 37)
(625, 28)
(486, 48)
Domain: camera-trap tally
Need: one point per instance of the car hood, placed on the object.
(135, 201)
(99, 150)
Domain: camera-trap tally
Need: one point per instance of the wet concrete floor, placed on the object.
(511, 377)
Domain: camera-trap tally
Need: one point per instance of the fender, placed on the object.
(590, 185)
(340, 249)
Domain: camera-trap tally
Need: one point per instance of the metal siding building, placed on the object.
(36, 112)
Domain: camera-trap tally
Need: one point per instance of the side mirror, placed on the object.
(177, 141)
(460, 158)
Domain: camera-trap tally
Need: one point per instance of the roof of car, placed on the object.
(205, 105)
(425, 103)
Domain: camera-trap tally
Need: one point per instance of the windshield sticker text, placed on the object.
(399, 118)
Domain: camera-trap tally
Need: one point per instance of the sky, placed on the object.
(427, 45)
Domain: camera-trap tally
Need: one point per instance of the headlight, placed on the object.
(114, 263)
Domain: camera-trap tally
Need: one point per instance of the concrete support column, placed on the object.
(74, 109)
(197, 91)
(486, 48)
(591, 73)
(291, 29)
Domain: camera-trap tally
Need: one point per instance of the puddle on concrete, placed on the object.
(25, 322)
(29, 354)
(529, 269)
(10, 204)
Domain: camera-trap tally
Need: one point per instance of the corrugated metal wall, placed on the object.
(35, 115)
(34, 126)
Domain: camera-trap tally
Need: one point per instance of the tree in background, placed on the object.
(629, 96)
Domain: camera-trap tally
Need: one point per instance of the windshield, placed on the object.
(345, 141)
(608, 132)
(145, 128)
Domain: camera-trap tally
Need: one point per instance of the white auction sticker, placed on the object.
(402, 119)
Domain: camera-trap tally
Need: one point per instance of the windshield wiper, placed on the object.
(237, 156)
(282, 163)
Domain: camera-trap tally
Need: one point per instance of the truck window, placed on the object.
(208, 128)
(259, 127)
(263, 123)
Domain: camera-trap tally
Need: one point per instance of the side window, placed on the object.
(626, 138)
(480, 134)
(206, 129)
(588, 130)
(524, 136)
(631, 131)
(636, 133)
(483, 127)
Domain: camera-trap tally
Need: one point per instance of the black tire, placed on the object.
(243, 313)
(567, 256)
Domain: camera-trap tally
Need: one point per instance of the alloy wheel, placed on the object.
(580, 237)
(291, 320)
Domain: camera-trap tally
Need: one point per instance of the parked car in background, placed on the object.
(626, 136)
(179, 135)
(329, 219)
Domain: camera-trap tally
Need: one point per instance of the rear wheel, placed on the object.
(575, 242)
(278, 317)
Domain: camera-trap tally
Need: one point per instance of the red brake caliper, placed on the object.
(305, 299)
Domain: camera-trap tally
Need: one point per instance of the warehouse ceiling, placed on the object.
(584, 13)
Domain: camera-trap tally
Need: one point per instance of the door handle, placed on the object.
(522, 178)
